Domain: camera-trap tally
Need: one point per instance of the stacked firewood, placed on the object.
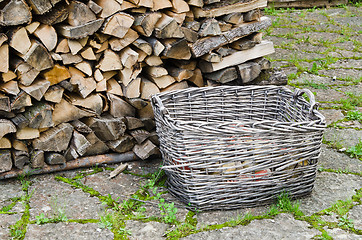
(76, 76)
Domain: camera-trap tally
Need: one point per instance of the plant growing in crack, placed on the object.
(355, 151)
(344, 221)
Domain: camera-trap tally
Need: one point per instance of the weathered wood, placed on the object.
(69, 58)
(85, 67)
(161, 4)
(195, 3)
(3, 38)
(57, 14)
(63, 46)
(209, 27)
(123, 144)
(52, 158)
(21, 100)
(179, 73)
(140, 135)
(190, 35)
(212, 57)
(164, 81)
(120, 108)
(109, 7)
(177, 49)
(19, 40)
(94, 7)
(4, 54)
(143, 45)
(54, 94)
(141, 55)
(4, 103)
(137, 103)
(74, 46)
(148, 88)
(113, 87)
(145, 150)
(243, 44)
(234, 18)
(10, 87)
(80, 126)
(92, 103)
(20, 121)
(205, 45)
(179, 17)
(155, 71)
(79, 14)
(225, 51)
(223, 10)
(85, 86)
(118, 170)
(66, 112)
(197, 78)
(263, 62)
(27, 133)
(42, 6)
(118, 24)
(6, 77)
(128, 57)
(47, 35)
(248, 71)
(98, 147)
(157, 46)
(6, 126)
(176, 86)
(37, 159)
(80, 143)
(223, 75)
(224, 26)
(107, 128)
(145, 23)
(20, 158)
(70, 154)
(110, 61)
(15, 12)
(39, 115)
(167, 27)
(25, 72)
(55, 139)
(252, 15)
(153, 61)
(262, 49)
(37, 89)
(38, 57)
(19, 145)
(56, 74)
(117, 44)
(146, 112)
(133, 89)
(81, 31)
(5, 161)
(133, 123)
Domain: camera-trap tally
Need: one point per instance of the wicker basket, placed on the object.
(238, 146)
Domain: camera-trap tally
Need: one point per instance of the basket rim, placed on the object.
(321, 121)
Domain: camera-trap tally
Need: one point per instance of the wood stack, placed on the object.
(76, 76)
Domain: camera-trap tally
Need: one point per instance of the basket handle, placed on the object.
(312, 102)
(157, 101)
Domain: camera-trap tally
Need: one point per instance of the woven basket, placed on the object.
(238, 146)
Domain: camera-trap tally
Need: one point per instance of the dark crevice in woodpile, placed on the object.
(76, 76)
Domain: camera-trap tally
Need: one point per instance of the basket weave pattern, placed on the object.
(237, 146)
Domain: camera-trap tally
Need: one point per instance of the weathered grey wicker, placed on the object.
(238, 146)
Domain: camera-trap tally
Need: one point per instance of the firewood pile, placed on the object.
(76, 76)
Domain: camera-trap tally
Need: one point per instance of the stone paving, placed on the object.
(319, 49)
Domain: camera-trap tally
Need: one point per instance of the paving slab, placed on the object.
(148, 230)
(342, 73)
(330, 95)
(6, 220)
(347, 63)
(51, 196)
(283, 226)
(9, 189)
(332, 115)
(340, 234)
(345, 137)
(355, 214)
(328, 189)
(67, 231)
(331, 158)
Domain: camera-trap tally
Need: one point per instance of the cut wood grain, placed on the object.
(147, 89)
(176, 49)
(161, 4)
(15, 12)
(145, 23)
(19, 40)
(66, 112)
(57, 74)
(79, 14)
(54, 94)
(119, 107)
(118, 24)
(109, 7)
(262, 49)
(167, 27)
(107, 128)
(110, 61)
(10, 87)
(38, 57)
(248, 71)
(47, 35)
(80, 31)
(55, 139)
(27, 133)
(223, 75)
(37, 89)
(42, 6)
(21, 100)
(4, 55)
(133, 89)
(117, 44)
(164, 81)
(6, 126)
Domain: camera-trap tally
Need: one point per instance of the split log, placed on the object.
(79, 14)
(37, 89)
(5, 161)
(119, 107)
(54, 94)
(209, 27)
(37, 159)
(21, 100)
(20, 158)
(143, 45)
(4, 55)
(38, 57)
(109, 7)
(179, 17)
(137, 103)
(57, 14)
(27, 133)
(10, 87)
(4, 103)
(263, 63)
(196, 3)
(118, 24)
(85, 67)
(147, 89)
(98, 147)
(243, 44)
(81, 31)
(111, 61)
(167, 27)
(19, 40)
(212, 57)
(145, 150)
(197, 78)
(15, 12)
(224, 26)
(6, 77)
(80, 143)
(54, 158)
(205, 45)
(63, 46)
(164, 81)
(140, 135)
(92, 103)
(107, 128)
(128, 57)
(153, 61)
(26, 73)
(42, 6)
(262, 49)
(55, 139)
(66, 112)
(39, 115)
(113, 87)
(32, 27)
(161, 4)
(149, 123)
(133, 123)
(155, 71)
(146, 112)
(123, 144)
(117, 44)
(6, 126)
(190, 35)
(80, 126)
(56, 74)
(252, 15)
(177, 49)
(69, 58)
(20, 121)
(179, 73)
(5, 143)
(19, 145)
(74, 46)
(145, 23)
(47, 35)
(84, 86)
(133, 89)
(235, 18)
(249, 71)
(94, 7)
(223, 75)
(176, 86)
(157, 46)
(88, 54)
(225, 51)
(223, 10)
